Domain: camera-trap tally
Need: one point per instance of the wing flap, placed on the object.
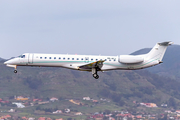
(97, 64)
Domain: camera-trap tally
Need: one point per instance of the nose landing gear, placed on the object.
(15, 71)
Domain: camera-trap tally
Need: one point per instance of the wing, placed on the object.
(98, 65)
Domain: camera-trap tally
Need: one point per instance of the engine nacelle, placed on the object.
(130, 59)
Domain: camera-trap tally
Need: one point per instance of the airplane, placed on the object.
(92, 63)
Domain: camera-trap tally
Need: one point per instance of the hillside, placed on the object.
(1, 59)
(171, 62)
(158, 84)
(121, 87)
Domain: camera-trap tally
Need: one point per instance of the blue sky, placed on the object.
(86, 26)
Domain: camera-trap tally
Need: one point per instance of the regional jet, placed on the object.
(92, 63)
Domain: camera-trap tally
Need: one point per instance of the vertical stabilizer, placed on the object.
(158, 51)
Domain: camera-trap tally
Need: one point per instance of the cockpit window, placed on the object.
(22, 56)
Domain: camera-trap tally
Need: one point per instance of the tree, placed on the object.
(69, 119)
(32, 83)
(107, 111)
(116, 97)
(172, 102)
(105, 92)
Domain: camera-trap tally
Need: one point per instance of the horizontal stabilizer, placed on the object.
(165, 43)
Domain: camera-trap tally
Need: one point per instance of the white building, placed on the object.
(53, 99)
(67, 110)
(86, 98)
(58, 111)
(78, 113)
(19, 105)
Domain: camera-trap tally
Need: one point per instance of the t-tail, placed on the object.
(158, 51)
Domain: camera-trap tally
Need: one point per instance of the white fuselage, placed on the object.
(90, 62)
(74, 61)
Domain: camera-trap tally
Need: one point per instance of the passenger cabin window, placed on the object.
(59, 58)
(81, 58)
(96, 59)
(45, 57)
(77, 58)
(40, 57)
(49, 57)
(91, 59)
(64, 58)
(68, 58)
(54, 57)
(72, 58)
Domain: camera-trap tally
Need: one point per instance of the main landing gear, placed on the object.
(94, 73)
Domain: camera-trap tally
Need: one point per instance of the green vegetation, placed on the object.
(121, 88)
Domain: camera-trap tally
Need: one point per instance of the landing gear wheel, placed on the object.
(15, 71)
(95, 75)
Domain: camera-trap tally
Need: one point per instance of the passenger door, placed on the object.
(30, 58)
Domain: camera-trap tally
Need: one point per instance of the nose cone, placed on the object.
(11, 62)
(6, 62)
